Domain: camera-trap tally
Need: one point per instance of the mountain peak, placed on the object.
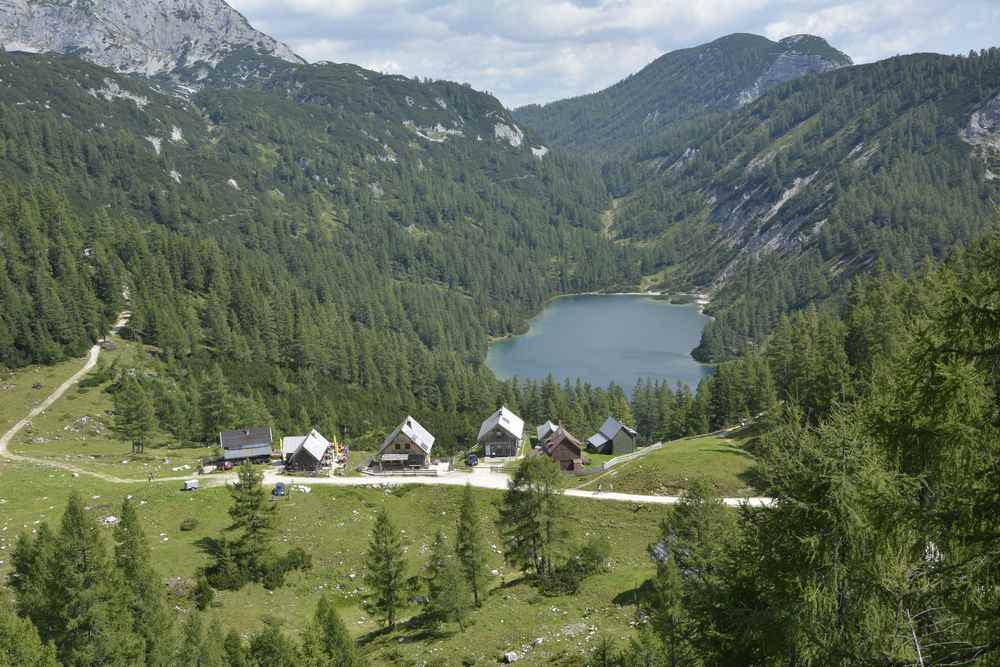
(140, 36)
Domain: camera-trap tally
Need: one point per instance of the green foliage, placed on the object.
(203, 593)
(326, 641)
(470, 547)
(134, 413)
(385, 571)
(20, 645)
(532, 516)
(448, 595)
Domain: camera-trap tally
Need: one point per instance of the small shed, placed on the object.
(502, 434)
(613, 438)
(191, 485)
(305, 452)
(563, 448)
(247, 443)
(409, 446)
(545, 431)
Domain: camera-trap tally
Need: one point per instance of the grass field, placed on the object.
(668, 471)
(78, 429)
(333, 524)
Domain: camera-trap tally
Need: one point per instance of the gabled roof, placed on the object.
(611, 427)
(412, 429)
(562, 437)
(506, 420)
(246, 437)
(313, 442)
(545, 430)
(597, 440)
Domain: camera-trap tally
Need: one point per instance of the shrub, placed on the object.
(189, 523)
(203, 593)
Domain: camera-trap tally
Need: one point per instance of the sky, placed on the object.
(536, 51)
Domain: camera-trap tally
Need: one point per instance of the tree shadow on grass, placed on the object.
(209, 545)
(634, 596)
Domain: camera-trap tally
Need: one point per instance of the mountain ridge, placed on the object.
(716, 77)
(135, 36)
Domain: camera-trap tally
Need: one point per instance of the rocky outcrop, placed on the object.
(983, 129)
(804, 54)
(138, 36)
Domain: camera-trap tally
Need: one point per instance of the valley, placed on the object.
(387, 382)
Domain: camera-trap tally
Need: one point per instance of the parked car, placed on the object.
(472, 460)
(279, 489)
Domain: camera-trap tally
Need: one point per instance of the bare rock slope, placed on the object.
(138, 36)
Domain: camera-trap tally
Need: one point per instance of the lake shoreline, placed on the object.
(607, 339)
(699, 299)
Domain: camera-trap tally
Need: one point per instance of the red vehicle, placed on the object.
(228, 465)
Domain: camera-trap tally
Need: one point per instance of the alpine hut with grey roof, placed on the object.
(613, 438)
(254, 444)
(305, 452)
(409, 446)
(502, 434)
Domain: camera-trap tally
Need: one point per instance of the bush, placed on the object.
(189, 523)
(203, 593)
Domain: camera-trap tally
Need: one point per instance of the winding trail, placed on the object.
(482, 477)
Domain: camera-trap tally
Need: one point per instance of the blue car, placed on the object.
(279, 489)
(472, 460)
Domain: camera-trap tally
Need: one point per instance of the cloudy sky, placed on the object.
(527, 51)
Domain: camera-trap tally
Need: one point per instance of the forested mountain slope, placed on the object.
(777, 205)
(723, 75)
(342, 242)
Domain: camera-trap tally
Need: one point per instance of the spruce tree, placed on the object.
(253, 515)
(385, 574)
(146, 594)
(533, 515)
(90, 609)
(447, 592)
(20, 645)
(470, 547)
(327, 642)
(134, 413)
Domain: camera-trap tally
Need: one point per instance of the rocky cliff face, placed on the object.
(140, 36)
(802, 55)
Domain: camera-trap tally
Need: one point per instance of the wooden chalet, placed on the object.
(308, 452)
(409, 446)
(613, 438)
(502, 434)
(563, 448)
(254, 444)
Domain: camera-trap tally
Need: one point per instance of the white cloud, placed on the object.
(539, 50)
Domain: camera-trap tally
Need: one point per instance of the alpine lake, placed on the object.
(600, 339)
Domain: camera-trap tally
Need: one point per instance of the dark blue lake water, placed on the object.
(604, 339)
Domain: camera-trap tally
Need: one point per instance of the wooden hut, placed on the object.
(502, 434)
(409, 446)
(563, 448)
(305, 452)
(613, 438)
(247, 443)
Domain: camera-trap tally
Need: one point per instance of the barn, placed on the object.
(502, 434)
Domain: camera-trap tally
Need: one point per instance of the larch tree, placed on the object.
(447, 591)
(533, 515)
